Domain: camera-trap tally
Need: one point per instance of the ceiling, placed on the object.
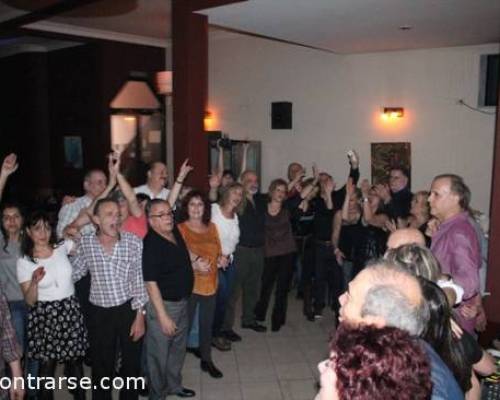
(340, 26)
(356, 26)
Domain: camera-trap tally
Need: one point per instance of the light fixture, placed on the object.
(208, 120)
(135, 94)
(392, 113)
(164, 82)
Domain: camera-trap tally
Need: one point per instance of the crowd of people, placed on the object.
(124, 275)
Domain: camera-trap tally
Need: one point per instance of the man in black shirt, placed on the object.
(169, 281)
(397, 196)
(248, 258)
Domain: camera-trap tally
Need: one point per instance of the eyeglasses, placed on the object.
(162, 215)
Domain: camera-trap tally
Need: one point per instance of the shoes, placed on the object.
(221, 343)
(208, 366)
(275, 328)
(255, 326)
(185, 392)
(232, 336)
(195, 351)
(318, 314)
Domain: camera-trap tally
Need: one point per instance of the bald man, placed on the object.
(385, 295)
(404, 236)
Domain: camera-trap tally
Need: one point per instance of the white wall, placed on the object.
(337, 101)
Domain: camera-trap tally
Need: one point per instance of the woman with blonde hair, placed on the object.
(225, 218)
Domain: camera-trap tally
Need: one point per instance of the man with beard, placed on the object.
(248, 258)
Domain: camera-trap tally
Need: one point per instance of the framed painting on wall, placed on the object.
(386, 156)
(73, 153)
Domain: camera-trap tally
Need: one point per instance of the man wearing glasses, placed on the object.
(169, 281)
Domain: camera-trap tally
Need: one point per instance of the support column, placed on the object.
(190, 86)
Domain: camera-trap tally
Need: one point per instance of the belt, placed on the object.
(324, 242)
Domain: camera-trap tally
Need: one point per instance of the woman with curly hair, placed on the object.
(203, 243)
(370, 363)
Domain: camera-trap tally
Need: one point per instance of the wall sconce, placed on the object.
(392, 113)
(164, 83)
(208, 120)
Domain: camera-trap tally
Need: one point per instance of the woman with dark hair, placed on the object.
(202, 241)
(462, 355)
(357, 235)
(10, 251)
(370, 363)
(56, 332)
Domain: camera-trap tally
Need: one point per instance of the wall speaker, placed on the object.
(281, 115)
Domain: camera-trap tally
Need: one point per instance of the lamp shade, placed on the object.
(135, 95)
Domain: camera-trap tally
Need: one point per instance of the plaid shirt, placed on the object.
(9, 348)
(115, 278)
(69, 212)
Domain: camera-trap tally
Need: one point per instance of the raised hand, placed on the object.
(353, 159)
(9, 165)
(113, 165)
(214, 181)
(390, 225)
(365, 187)
(383, 192)
(329, 185)
(350, 187)
(432, 227)
(184, 170)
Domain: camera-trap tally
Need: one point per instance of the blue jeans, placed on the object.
(19, 314)
(226, 280)
(193, 339)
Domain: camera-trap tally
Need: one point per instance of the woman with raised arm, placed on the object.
(56, 332)
(279, 249)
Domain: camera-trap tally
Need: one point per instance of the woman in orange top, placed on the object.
(202, 241)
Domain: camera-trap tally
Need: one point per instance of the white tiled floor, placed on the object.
(267, 366)
(264, 366)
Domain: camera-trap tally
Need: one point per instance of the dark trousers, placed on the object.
(279, 270)
(110, 328)
(206, 321)
(226, 281)
(308, 266)
(82, 293)
(248, 275)
(327, 274)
